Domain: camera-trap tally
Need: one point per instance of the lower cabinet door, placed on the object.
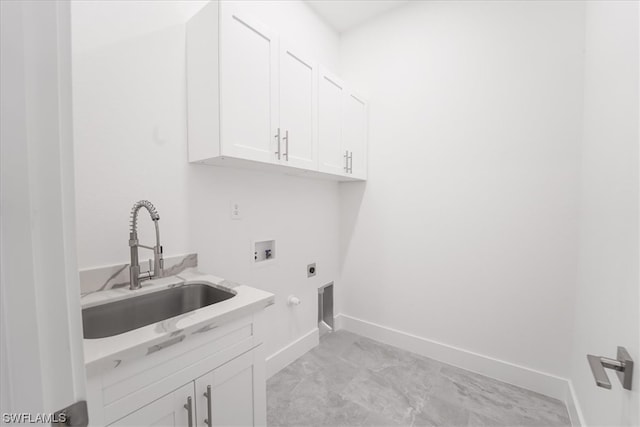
(177, 408)
(229, 395)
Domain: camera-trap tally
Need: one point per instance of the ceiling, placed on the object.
(344, 15)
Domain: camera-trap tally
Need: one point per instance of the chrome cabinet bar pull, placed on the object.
(277, 136)
(286, 145)
(208, 421)
(346, 161)
(189, 407)
(351, 162)
(623, 366)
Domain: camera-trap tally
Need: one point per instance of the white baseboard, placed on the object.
(283, 357)
(573, 406)
(521, 376)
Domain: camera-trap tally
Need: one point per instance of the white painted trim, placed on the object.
(286, 355)
(339, 321)
(521, 376)
(573, 406)
(37, 220)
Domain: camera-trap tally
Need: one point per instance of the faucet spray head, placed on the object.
(134, 213)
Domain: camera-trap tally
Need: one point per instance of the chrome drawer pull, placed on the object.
(208, 421)
(189, 407)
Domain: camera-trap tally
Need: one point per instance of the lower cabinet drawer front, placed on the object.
(128, 395)
(169, 410)
(172, 347)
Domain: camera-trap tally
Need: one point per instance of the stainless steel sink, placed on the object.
(125, 315)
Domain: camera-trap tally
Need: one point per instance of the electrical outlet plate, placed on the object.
(311, 270)
(235, 212)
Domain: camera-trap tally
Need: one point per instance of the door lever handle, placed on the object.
(623, 366)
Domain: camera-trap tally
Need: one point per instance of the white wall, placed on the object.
(131, 143)
(466, 230)
(608, 292)
(301, 215)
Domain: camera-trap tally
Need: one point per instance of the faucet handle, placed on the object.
(146, 275)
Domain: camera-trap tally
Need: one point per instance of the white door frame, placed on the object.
(41, 334)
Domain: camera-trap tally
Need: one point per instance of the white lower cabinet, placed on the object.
(211, 378)
(170, 410)
(226, 395)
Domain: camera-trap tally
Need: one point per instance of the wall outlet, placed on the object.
(236, 213)
(311, 270)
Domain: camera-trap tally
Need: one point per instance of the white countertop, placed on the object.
(111, 351)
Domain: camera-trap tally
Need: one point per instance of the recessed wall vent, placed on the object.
(325, 308)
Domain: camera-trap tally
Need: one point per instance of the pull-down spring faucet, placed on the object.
(158, 262)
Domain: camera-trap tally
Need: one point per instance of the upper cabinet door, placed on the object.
(248, 86)
(354, 135)
(332, 156)
(298, 109)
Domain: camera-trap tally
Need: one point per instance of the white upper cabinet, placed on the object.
(342, 128)
(298, 109)
(248, 87)
(203, 89)
(354, 135)
(254, 101)
(333, 158)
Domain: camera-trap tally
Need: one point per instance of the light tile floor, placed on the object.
(349, 380)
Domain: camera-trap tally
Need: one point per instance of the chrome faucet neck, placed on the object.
(134, 245)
